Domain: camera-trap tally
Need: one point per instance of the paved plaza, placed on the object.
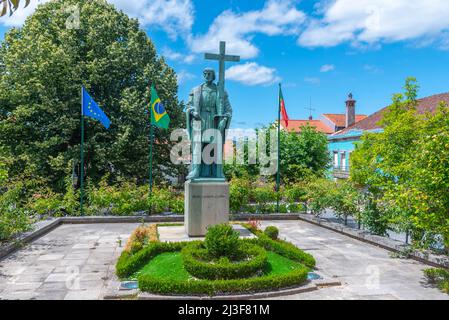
(77, 262)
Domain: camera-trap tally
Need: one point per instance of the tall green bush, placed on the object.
(319, 195)
(346, 200)
(13, 216)
(239, 193)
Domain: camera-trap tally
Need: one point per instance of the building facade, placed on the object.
(329, 123)
(342, 143)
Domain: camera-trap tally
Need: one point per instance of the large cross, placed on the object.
(221, 57)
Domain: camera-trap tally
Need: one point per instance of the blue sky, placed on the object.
(319, 50)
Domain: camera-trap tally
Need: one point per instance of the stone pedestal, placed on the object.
(206, 203)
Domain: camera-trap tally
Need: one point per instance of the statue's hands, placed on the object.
(222, 124)
(196, 115)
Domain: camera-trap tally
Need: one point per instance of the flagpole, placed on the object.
(278, 173)
(82, 156)
(151, 156)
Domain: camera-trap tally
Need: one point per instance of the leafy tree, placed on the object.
(303, 154)
(43, 65)
(405, 167)
(346, 200)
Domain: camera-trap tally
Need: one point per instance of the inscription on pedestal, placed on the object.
(206, 204)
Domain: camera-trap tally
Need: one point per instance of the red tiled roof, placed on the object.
(339, 119)
(295, 125)
(428, 104)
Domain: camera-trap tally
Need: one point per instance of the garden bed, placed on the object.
(160, 268)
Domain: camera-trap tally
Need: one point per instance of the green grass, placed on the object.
(278, 264)
(165, 265)
(169, 265)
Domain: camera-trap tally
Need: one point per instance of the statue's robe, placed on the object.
(207, 104)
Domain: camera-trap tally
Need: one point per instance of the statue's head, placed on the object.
(209, 75)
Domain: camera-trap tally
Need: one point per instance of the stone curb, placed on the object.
(310, 286)
(247, 296)
(426, 257)
(39, 229)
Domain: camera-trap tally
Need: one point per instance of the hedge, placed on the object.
(282, 247)
(128, 263)
(215, 287)
(223, 268)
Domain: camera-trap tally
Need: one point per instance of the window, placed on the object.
(343, 161)
(335, 159)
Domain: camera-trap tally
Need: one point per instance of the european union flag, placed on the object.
(91, 109)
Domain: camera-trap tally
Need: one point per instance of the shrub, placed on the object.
(272, 232)
(373, 217)
(319, 195)
(253, 225)
(282, 247)
(264, 196)
(252, 260)
(211, 287)
(125, 198)
(177, 205)
(221, 240)
(129, 263)
(47, 202)
(439, 277)
(239, 191)
(13, 217)
(346, 200)
(160, 200)
(13, 220)
(140, 237)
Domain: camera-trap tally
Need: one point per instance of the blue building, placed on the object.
(343, 142)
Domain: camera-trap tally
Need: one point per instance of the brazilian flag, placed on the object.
(159, 116)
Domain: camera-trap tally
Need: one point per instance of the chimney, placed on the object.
(350, 111)
(310, 118)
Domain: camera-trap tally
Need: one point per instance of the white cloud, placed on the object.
(372, 69)
(237, 29)
(184, 76)
(252, 74)
(173, 16)
(327, 68)
(362, 22)
(177, 56)
(312, 80)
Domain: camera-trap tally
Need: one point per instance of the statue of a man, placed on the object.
(205, 110)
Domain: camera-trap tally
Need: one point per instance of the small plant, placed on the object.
(438, 277)
(254, 225)
(272, 232)
(141, 236)
(221, 241)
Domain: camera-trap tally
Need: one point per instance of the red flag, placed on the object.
(282, 107)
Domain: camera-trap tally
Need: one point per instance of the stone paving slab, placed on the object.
(366, 271)
(86, 272)
(70, 262)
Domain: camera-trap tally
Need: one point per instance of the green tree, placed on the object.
(405, 168)
(303, 154)
(43, 65)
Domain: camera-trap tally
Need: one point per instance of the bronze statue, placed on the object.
(208, 115)
(211, 112)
